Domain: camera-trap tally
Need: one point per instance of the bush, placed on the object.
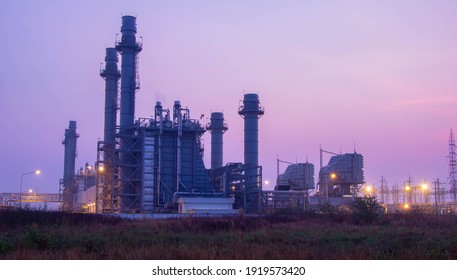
(367, 209)
(327, 209)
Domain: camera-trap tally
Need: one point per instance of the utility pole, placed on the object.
(383, 188)
(437, 185)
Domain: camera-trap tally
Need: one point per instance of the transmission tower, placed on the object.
(452, 166)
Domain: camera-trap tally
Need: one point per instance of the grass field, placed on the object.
(57, 235)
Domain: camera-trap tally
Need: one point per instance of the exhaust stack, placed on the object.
(70, 154)
(217, 127)
(251, 111)
(128, 47)
(69, 143)
(111, 76)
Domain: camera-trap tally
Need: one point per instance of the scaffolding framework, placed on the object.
(107, 180)
(273, 200)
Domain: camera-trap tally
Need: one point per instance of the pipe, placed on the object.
(178, 120)
(159, 119)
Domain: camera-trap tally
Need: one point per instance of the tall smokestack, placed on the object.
(128, 48)
(251, 111)
(111, 76)
(69, 153)
(217, 127)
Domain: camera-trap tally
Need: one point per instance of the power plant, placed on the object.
(150, 165)
(155, 164)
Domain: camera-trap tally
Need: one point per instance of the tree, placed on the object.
(367, 209)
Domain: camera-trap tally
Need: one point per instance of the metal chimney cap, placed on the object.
(72, 125)
(251, 97)
(128, 23)
(217, 116)
(111, 54)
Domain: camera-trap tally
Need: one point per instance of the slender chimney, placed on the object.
(111, 76)
(251, 111)
(128, 48)
(69, 154)
(217, 128)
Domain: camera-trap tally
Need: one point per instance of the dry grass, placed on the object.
(51, 235)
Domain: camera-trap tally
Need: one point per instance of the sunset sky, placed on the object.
(380, 75)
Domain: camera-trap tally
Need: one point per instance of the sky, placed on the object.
(379, 76)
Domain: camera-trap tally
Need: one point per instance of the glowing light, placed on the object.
(30, 191)
(37, 172)
(406, 206)
(424, 187)
(407, 188)
(368, 189)
(267, 182)
(333, 176)
(101, 169)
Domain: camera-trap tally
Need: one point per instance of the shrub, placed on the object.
(367, 209)
(327, 209)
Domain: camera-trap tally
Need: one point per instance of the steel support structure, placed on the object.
(273, 200)
(452, 167)
(107, 191)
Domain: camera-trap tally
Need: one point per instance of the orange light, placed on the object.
(333, 176)
(406, 206)
(424, 187)
(407, 188)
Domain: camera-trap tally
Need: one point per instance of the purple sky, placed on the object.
(380, 74)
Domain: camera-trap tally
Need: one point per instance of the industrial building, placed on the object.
(342, 176)
(155, 164)
(297, 177)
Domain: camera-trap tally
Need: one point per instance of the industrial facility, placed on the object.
(155, 164)
(342, 176)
